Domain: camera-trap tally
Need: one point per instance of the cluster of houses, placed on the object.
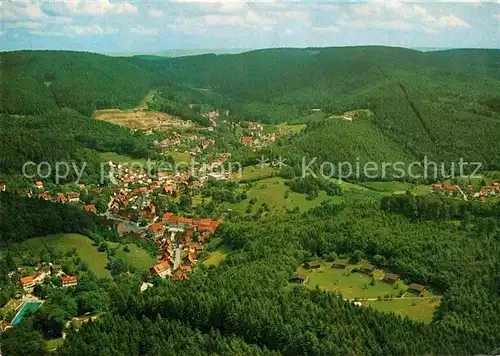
(175, 236)
(29, 282)
(197, 144)
(469, 192)
(71, 197)
(365, 268)
(256, 138)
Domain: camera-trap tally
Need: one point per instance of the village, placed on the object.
(469, 192)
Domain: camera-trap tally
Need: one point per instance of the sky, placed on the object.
(106, 26)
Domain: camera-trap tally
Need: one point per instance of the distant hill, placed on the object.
(41, 81)
(441, 104)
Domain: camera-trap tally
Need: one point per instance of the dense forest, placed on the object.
(67, 136)
(408, 105)
(245, 306)
(35, 82)
(444, 105)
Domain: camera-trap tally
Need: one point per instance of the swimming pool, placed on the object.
(26, 306)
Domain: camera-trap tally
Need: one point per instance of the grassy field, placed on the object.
(313, 117)
(180, 156)
(53, 344)
(272, 192)
(256, 172)
(359, 286)
(350, 285)
(96, 260)
(115, 157)
(291, 128)
(137, 257)
(214, 258)
(420, 309)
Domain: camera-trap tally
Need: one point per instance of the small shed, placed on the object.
(312, 264)
(340, 264)
(391, 278)
(367, 268)
(416, 288)
(297, 278)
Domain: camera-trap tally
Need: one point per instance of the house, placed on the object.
(162, 269)
(191, 259)
(391, 278)
(29, 282)
(39, 184)
(416, 288)
(60, 198)
(312, 264)
(168, 189)
(156, 230)
(90, 208)
(185, 269)
(179, 277)
(367, 268)
(340, 264)
(3, 187)
(73, 197)
(44, 196)
(246, 140)
(81, 186)
(69, 281)
(297, 278)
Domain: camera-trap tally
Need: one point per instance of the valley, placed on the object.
(190, 212)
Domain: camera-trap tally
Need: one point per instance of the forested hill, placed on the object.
(39, 81)
(444, 105)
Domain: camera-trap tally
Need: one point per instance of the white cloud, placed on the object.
(31, 25)
(144, 31)
(452, 21)
(74, 30)
(156, 13)
(327, 29)
(22, 10)
(98, 7)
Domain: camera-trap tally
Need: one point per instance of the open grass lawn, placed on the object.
(137, 257)
(96, 260)
(420, 309)
(291, 128)
(53, 344)
(115, 157)
(357, 285)
(179, 157)
(272, 192)
(256, 172)
(311, 118)
(388, 186)
(214, 258)
(351, 285)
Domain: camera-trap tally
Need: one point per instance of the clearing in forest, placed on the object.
(371, 291)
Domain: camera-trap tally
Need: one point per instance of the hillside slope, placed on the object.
(40, 81)
(444, 105)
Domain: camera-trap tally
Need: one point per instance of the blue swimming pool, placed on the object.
(26, 306)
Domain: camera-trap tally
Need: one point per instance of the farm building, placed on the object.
(312, 264)
(340, 264)
(297, 278)
(391, 278)
(367, 268)
(416, 288)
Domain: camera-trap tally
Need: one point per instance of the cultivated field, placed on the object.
(142, 120)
